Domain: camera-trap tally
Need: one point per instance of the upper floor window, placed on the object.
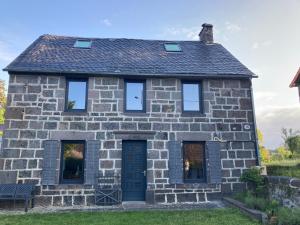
(172, 47)
(193, 161)
(135, 93)
(76, 95)
(72, 161)
(191, 93)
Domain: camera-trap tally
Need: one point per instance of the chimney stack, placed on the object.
(206, 34)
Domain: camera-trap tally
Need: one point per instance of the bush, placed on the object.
(282, 170)
(255, 181)
(288, 216)
(256, 203)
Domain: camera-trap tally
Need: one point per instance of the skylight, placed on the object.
(172, 47)
(83, 44)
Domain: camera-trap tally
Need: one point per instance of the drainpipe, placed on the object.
(258, 159)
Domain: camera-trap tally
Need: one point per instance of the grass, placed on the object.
(226, 216)
(290, 168)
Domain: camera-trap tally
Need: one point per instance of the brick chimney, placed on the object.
(206, 34)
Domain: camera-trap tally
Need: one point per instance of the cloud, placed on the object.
(273, 118)
(232, 27)
(106, 22)
(265, 95)
(5, 54)
(190, 33)
(266, 43)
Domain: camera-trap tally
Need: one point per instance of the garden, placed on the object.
(225, 216)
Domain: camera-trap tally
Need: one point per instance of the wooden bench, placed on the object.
(17, 192)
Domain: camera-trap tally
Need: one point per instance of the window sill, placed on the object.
(74, 113)
(193, 114)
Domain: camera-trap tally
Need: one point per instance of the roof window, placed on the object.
(83, 44)
(172, 47)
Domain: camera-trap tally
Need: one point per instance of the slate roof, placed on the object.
(56, 54)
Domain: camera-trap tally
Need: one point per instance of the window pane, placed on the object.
(76, 95)
(73, 161)
(134, 96)
(172, 47)
(82, 44)
(191, 99)
(193, 159)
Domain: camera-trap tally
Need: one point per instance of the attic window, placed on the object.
(172, 47)
(83, 44)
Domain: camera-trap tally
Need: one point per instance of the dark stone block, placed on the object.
(150, 197)
(236, 173)
(226, 188)
(110, 126)
(168, 108)
(67, 200)
(57, 201)
(245, 104)
(77, 125)
(144, 126)
(48, 93)
(49, 107)
(170, 198)
(10, 153)
(42, 134)
(222, 127)
(244, 154)
(30, 134)
(42, 200)
(18, 144)
(155, 108)
(227, 163)
(216, 83)
(14, 113)
(160, 198)
(78, 200)
(128, 126)
(208, 127)
(34, 89)
(161, 164)
(219, 114)
(19, 163)
(239, 163)
(27, 153)
(109, 144)
(8, 177)
(106, 164)
(180, 127)
(214, 196)
(239, 187)
(50, 125)
(32, 164)
(186, 197)
(161, 126)
(19, 124)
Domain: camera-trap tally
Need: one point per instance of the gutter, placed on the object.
(258, 159)
(131, 74)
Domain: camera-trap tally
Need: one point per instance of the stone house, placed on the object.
(296, 82)
(174, 119)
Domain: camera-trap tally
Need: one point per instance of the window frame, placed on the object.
(200, 92)
(71, 181)
(68, 80)
(201, 180)
(125, 96)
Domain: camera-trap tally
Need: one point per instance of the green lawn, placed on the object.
(203, 217)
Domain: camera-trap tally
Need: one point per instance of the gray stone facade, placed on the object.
(35, 112)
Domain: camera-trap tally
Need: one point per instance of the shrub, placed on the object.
(288, 216)
(255, 181)
(256, 203)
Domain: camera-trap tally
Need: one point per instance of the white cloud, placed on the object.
(190, 33)
(266, 43)
(273, 118)
(106, 22)
(232, 27)
(265, 95)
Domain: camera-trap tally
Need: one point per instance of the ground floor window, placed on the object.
(72, 161)
(194, 161)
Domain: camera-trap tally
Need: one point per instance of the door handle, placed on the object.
(144, 172)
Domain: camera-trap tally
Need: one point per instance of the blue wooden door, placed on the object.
(134, 167)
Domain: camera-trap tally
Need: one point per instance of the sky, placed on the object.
(263, 35)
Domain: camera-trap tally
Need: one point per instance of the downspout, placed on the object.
(258, 159)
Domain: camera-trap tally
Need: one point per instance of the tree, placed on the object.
(263, 151)
(283, 152)
(2, 102)
(291, 140)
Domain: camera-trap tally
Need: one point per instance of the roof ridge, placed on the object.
(116, 38)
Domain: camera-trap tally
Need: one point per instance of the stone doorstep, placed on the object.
(135, 206)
